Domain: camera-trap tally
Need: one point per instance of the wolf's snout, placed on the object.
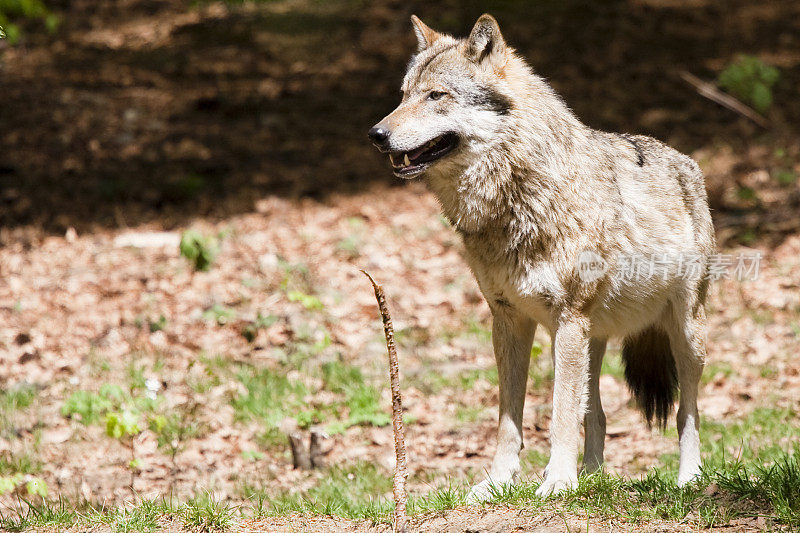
(379, 135)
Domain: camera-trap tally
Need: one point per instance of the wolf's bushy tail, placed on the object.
(651, 373)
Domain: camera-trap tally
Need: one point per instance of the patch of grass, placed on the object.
(270, 396)
(174, 429)
(613, 366)
(536, 459)
(207, 372)
(17, 397)
(362, 400)
(355, 491)
(467, 380)
(86, 407)
(715, 370)
(92, 407)
(12, 400)
(466, 414)
(19, 463)
(142, 517)
(761, 437)
(206, 513)
(45, 514)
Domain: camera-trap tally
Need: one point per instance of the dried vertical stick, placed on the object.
(401, 470)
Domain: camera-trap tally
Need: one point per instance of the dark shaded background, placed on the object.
(165, 110)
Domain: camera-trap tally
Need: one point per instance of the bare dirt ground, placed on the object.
(148, 116)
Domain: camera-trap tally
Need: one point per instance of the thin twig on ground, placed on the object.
(710, 91)
(401, 469)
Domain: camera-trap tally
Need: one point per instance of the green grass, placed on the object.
(732, 491)
(19, 463)
(12, 400)
(17, 397)
(356, 491)
(761, 437)
(28, 515)
(271, 396)
(207, 514)
(728, 491)
(201, 513)
(90, 407)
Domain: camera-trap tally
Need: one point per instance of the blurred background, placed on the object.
(123, 112)
(187, 195)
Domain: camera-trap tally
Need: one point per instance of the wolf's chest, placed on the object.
(534, 289)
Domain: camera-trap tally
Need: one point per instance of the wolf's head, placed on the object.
(456, 100)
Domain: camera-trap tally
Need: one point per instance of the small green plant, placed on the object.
(219, 314)
(250, 330)
(785, 176)
(33, 487)
(199, 249)
(24, 10)
(751, 80)
(173, 430)
(157, 325)
(125, 426)
(309, 301)
(86, 407)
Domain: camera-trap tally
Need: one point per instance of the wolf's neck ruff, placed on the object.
(532, 156)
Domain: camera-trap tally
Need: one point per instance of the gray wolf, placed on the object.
(533, 192)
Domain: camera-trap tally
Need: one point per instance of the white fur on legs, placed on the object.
(569, 405)
(594, 422)
(687, 339)
(512, 337)
(689, 467)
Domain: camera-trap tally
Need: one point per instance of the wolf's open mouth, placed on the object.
(407, 164)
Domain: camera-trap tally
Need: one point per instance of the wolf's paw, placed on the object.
(485, 491)
(686, 476)
(553, 485)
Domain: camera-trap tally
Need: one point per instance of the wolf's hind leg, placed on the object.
(687, 338)
(512, 336)
(594, 422)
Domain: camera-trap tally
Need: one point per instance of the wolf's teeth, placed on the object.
(406, 161)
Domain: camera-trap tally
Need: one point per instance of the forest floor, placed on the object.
(142, 119)
(283, 332)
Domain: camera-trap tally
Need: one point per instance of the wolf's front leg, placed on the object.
(569, 404)
(512, 336)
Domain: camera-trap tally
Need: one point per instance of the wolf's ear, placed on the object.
(485, 39)
(425, 35)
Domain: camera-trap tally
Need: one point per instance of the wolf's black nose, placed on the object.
(378, 135)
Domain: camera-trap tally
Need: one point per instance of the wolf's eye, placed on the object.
(435, 95)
